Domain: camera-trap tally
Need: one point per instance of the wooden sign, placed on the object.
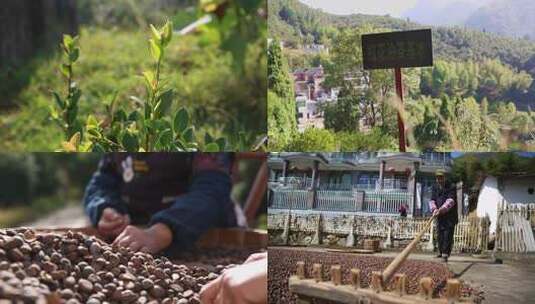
(397, 49)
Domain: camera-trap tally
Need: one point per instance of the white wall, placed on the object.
(487, 202)
(515, 190)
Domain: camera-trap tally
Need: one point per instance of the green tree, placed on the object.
(375, 140)
(281, 113)
(281, 121)
(279, 80)
(313, 140)
(344, 114)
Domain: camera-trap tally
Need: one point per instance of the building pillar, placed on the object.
(315, 178)
(411, 187)
(285, 165)
(382, 174)
(460, 199)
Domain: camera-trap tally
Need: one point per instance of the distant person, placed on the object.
(442, 204)
(403, 210)
(176, 197)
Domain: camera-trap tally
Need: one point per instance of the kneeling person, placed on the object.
(176, 196)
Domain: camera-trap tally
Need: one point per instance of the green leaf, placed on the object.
(188, 135)
(77, 93)
(165, 139)
(98, 148)
(134, 116)
(179, 145)
(120, 115)
(72, 113)
(155, 33)
(167, 33)
(208, 138)
(222, 143)
(59, 101)
(150, 79)
(53, 113)
(64, 69)
(130, 142)
(181, 120)
(93, 132)
(164, 103)
(155, 50)
(92, 122)
(212, 147)
(68, 42)
(74, 55)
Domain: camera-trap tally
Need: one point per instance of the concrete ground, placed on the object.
(500, 283)
(71, 216)
(508, 282)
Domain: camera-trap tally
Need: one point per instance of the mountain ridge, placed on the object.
(291, 20)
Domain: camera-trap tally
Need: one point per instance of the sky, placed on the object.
(375, 7)
(394, 8)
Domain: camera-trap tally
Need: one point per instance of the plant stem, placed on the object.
(148, 136)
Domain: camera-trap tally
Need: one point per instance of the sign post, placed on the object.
(401, 124)
(396, 50)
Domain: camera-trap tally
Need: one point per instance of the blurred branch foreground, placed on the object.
(28, 25)
(195, 25)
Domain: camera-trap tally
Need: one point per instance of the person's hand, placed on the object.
(112, 223)
(244, 284)
(151, 240)
(436, 212)
(255, 257)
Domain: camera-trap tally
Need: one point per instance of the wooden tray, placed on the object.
(223, 238)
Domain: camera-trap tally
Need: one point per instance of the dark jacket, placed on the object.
(189, 192)
(440, 196)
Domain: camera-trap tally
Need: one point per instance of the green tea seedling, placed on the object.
(153, 129)
(66, 111)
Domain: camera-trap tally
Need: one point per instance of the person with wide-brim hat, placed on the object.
(442, 205)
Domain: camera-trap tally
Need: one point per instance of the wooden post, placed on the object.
(401, 124)
(400, 284)
(453, 290)
(377, 281)
(336, 275)
(426, 288)
(301, 270)
(256, 195)
(317, 272)
(355, 278)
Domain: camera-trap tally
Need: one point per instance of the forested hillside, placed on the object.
(507, 17)
(477, 96)
(292, 22)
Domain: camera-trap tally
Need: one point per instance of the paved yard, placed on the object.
(501, 283)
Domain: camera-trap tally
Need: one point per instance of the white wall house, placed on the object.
(516, 189)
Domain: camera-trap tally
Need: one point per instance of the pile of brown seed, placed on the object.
(283, 262)
(75, 268)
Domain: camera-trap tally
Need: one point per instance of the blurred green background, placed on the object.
(33, 185)
(218, 72)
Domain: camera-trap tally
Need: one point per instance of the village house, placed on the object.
(363, 183)
(310, 95)
(510, 191)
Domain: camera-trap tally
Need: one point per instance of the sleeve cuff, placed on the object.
(96, 211)
(183, 238)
